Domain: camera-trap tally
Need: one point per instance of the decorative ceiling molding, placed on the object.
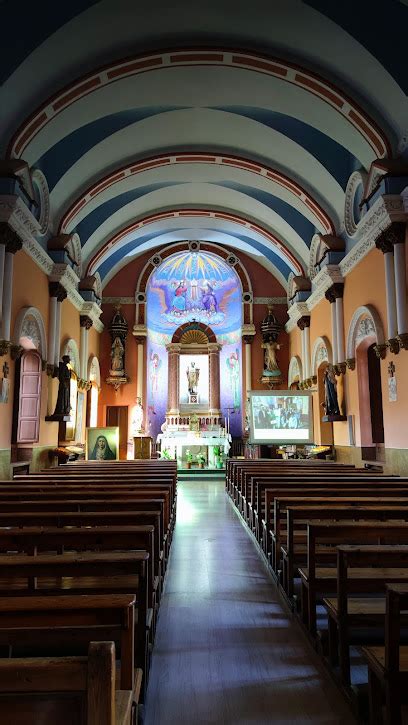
(387, 209)
(118, 301)
(297, 76)
(270, 301)
(68, 221)
(204, 213)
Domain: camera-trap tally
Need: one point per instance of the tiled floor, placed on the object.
(226, 651)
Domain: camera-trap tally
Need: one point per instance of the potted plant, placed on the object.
(201, 460)
(189, 459)
(218, 456)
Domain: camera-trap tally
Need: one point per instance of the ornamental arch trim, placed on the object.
(222, 252)
(322, 351)
(70, 347)
(295, 370)
(94, 371)
(29, 324)
(366, 322)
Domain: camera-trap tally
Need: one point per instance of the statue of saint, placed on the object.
(193, 374)
(270, 362)
(137, 418)
(63, 406)
(331, 403)
(117, 353)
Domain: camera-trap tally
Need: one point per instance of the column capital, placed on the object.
(173, 347)
(57, 290)
(334, 292)
(394, 234)
(85, 321)
(303, 322)
(10, 238)
(139, 340)
(248, 339)
(214, 347)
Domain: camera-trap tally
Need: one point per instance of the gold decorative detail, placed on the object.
(394, 345)
(351, 363)
(16, 351)
(194, 337)
(381, 350)
(403, 340)
(4, 347)
(341, 367)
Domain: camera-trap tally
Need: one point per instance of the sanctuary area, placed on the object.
(203, 320)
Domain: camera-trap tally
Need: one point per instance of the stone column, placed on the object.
(248, 364)
(304, 326)
(2, 262)
(397, 234)
(386, 247)
(13, 245)
(214, 360)
(337, 318)
(173, 396)
(86, 324)
(59, 292)
(140, 367)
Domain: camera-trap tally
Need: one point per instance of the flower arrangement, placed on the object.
(189, 456)
(166, 455)
(200, 459)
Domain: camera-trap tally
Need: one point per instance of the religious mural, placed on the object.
(194, 286)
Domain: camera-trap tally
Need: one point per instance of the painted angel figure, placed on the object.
(233, 368)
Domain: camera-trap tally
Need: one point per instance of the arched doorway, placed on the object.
(365, 341)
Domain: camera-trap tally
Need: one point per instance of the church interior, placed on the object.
(203, 363)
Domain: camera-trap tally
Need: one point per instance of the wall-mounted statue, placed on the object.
(270, 329)
(63, 405)
(118, 329)
(331, 403)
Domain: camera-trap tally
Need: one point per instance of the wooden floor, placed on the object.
(226, 651)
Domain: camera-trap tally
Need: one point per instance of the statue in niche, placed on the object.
(193, 375)
(270, 362)
(331, 403)
(63, 406)
(117, 353)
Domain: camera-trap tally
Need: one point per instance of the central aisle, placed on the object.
(226, 651)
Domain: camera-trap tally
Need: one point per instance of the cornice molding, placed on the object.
(386, 210)
(270, 301)
(118, 301)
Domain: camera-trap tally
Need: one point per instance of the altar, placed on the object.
(177, 443)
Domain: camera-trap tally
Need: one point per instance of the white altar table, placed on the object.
(178, 442)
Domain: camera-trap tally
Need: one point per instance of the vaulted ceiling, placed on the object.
(155, 123)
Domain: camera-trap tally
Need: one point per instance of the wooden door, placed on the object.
(28, 426)
(118, 415)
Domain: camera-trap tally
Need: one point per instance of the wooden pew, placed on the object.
(65, 625)
(363, 569)
(343, 481)
(322, 580)
(277, 499)
(388, 666)
(65, 690)
(294, 550)
(32, 540)
(89, 573)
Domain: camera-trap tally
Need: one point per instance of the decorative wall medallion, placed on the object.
(365, 329)
(43, 200)
(353, 196)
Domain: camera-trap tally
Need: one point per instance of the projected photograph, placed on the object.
(281, 417)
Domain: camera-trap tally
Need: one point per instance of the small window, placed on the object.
(29, 405)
